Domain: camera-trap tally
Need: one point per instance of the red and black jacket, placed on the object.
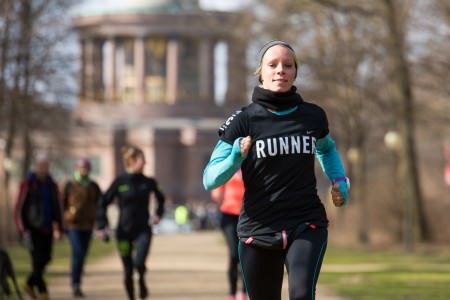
(38, 206)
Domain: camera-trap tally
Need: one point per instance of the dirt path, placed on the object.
(181, 267)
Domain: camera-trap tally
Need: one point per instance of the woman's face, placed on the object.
(278, 69)
(137, 165)
(83, 170)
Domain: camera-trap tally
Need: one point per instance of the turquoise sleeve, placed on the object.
(225, 160)
(331, 163)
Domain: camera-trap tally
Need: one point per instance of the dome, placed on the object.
(108, 7)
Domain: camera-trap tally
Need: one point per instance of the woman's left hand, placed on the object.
(57, 234)
(337, 197)
(156, 220)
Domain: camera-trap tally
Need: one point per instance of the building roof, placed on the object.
(119, 18)
(112, 7)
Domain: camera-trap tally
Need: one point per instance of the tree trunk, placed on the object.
(361, 197)
(4, 49)
(415, 225)
(27, 100)
(18, 104)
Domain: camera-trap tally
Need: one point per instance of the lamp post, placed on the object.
(392, 140)
(353, 155)
(356, 159)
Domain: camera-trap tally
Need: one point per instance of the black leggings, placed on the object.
(141, 243)
(263, 269)
(41, 254)
(229, 225)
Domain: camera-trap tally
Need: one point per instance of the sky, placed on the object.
(223, 5)
(226, 5)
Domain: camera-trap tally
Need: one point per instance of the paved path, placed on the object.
(181, 267)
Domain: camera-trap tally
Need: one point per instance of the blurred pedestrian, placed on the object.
(182, 218)
(229, 198)
(39, 222)
(81, 196)
(133, 189)
(274, 140)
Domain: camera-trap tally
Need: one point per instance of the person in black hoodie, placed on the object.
(132, 189)
(38, 221)
(274, 141)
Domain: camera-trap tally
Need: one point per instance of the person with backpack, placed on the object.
(81, 196)
(39, 222)
(274, 141)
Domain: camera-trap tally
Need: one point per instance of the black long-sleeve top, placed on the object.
(132, 190)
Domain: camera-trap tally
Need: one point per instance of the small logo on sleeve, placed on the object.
(228, 121)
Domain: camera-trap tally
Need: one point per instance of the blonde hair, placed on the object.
(130, 153)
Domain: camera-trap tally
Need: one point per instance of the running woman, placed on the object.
(229, 196)
(274, 140)
(132, 189)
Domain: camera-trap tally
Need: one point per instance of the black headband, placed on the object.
(270, 44)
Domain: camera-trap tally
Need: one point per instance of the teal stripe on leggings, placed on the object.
(242, 268)
(316, 269)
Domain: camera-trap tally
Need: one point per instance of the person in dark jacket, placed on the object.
(80, 199)
(132, 190)
(38, 222)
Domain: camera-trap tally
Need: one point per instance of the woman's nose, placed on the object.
(280, 69)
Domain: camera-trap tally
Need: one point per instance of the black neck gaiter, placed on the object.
(276, 101)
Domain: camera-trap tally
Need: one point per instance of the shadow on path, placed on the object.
(180, 267)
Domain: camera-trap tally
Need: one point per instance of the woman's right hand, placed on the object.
(337, 196)
(103, 234)
(245, 145)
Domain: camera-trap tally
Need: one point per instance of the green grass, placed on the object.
(354, 274)
(61, 258)
(393, 275)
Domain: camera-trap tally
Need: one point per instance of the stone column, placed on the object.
(111, 87)
(82, 75)
(93, 69)
(88, 68)
(206, 70)
(139, 67)
(172, 71)
(237, 72)
(99, 89)
(169, 162)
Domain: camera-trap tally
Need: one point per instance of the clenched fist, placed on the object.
(245, 144)
(338, 198)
